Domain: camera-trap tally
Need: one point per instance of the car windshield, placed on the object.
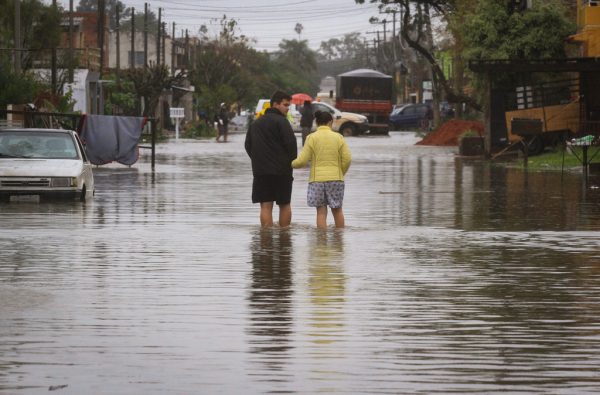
(36, 144)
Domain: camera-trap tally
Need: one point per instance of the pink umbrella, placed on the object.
(300, 98)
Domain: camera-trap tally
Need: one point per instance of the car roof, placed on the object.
(35, 130)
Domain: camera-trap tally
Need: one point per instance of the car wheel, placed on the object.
(348, 129)
(535, 145)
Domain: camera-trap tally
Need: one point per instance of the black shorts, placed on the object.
(271, 188)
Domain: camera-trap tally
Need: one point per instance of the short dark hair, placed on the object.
(323, 117)
(279, 96)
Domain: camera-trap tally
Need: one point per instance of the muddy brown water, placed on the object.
(453, 276)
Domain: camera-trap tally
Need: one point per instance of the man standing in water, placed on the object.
(222, 121)
(271, 146)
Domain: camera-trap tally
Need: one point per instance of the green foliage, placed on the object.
(469, 133)
(493, 32)
(111, 10)
(296, 67)
(149, 83)
(198, 129)
(40, 24)
(228, 70)
(121, 98)
(350, 46)
(65, 105)
(555, 160)
(16, 88)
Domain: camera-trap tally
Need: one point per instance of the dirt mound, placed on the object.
(449, 132)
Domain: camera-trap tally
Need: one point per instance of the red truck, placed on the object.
(367, 92)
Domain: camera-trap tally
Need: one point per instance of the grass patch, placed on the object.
(553, 160)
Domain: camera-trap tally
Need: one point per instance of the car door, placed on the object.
(409, 117)
(88, 175)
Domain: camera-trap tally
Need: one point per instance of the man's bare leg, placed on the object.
(322, 217)
(285, 215)
(338, 217)
(266, 214)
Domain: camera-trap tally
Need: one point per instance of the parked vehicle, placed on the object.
(412, 116)
(43, 163)
(346, 123)
(294, 116)
(261, 106)
(367, 92)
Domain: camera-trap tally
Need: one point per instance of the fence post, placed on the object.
(153, 139)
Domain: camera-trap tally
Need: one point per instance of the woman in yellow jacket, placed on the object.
(330, 159)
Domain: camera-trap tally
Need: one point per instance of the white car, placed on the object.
(294, 116)
(44, 163)
(346, 123)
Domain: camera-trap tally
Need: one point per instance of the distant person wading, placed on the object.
(222, 121)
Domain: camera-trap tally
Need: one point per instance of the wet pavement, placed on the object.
(453, 276)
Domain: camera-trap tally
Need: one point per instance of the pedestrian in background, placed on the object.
(330, 159)
(222, 121)
(271, 146)
(306, 120)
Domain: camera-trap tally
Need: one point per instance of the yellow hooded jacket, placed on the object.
(328, 153)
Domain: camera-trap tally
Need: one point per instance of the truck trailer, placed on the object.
(367, 92)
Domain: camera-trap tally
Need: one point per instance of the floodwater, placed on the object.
(452, 276)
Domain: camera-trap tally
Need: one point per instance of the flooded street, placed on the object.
(452, 276)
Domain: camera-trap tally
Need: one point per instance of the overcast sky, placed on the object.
(267, 21)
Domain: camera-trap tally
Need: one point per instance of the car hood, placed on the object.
(354, 116)
(18, 167)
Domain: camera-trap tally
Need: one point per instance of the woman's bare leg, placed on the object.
(322, 217)
(338, 217)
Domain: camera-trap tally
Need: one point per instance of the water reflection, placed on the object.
(270, 296)
(327, 286)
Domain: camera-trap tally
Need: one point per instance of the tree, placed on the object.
(496, 30)
(296, 67)
(298, 29)
(228, 69)
(352, 45)
(150, 82)
(492, 29)
(111, 9)
(16, 88)
(40, 32)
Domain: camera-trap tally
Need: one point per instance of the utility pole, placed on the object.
(71, 72)
(158, 37)
(187, 49)
(101, 26)
(132, 56)
(164, 34)
(173, 51)
(17, 56)
(145, 35)
(118, 31)
(54, 88)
